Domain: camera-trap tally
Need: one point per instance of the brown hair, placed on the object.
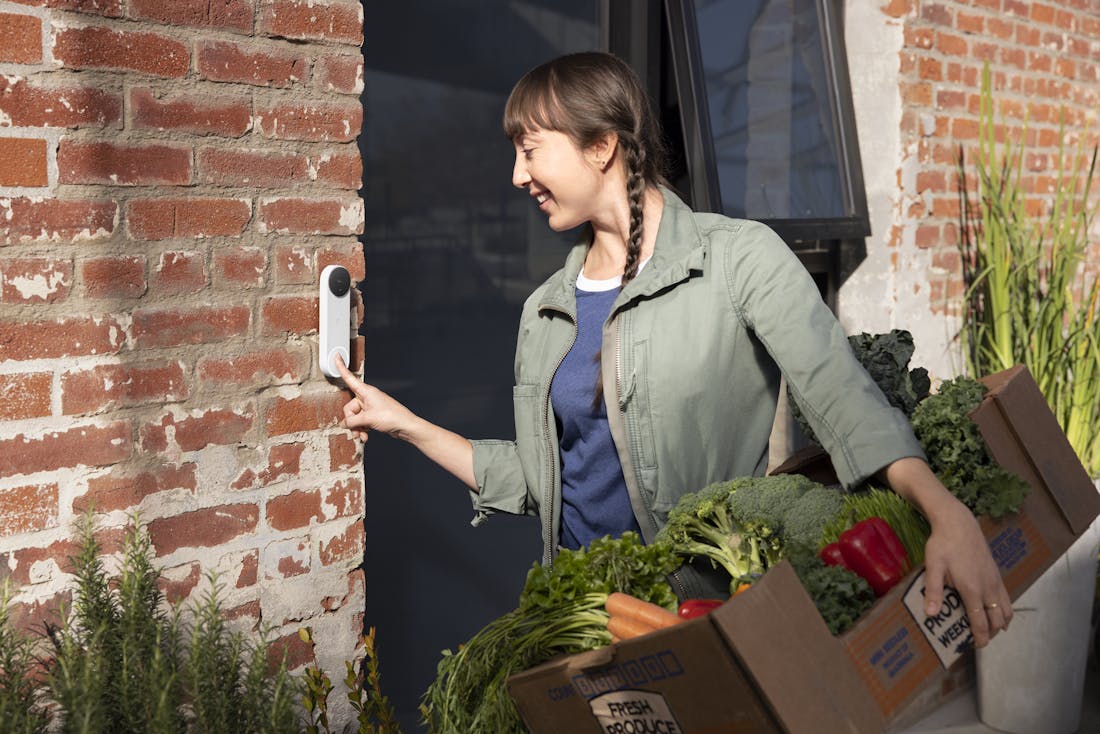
(586, 96)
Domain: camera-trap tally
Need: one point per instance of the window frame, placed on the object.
(698, 141)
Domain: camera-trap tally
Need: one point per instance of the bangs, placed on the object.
(533, 105)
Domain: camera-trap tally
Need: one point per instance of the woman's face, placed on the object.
(559, 175)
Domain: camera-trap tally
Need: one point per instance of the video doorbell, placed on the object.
(335, 325)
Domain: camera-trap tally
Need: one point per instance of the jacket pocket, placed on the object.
(528, 415)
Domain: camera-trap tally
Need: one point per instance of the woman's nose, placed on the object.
(520, 177)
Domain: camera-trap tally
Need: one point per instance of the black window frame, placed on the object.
(632, 30)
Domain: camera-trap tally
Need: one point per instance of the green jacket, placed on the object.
(692, 355)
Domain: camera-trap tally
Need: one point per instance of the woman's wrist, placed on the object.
(914, 480)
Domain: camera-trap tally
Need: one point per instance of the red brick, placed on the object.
(121, 490)
(24, 162)
(343, 74)
(928, 235)
(88, 445)
(60, 552)
(936, 14)
(28, 509)
(947, 259)
(283, 460)
(252, 168)
(25, 395)
(295, 566)
(171, 327)
(1014, 57)
(161, 219)
(964, 129)
(289, 314)
(201, 429)
(256, 369)
(310, 412)
(26, 105)
(1066, 68)
(347, 546)
(35, 280)
(917, 95)
(206, 528)
(918, 37)
(223, 61)
(55, 220)
(312, 121)
(346, 498)
(20, 39)
(339, 169)
(343, 452)
(249, 566)
(312, 21)
(94, 47)
(897, 8)
(23, 339)
(232, 15)
(950, 100)
(199, 114)
(930, 69)
(109, 8)
(951, 44)
(289, 649)
(120, 386)
(28, 617)
(179, 588)
(114, 276)
(1028, 35)
(351, 258)
(967, 23)
(311, 216)
(294, 265)
(180, 272)
(294, 510)
(85, 162)
(1038, 61)
(240, 267)
(1042, 13)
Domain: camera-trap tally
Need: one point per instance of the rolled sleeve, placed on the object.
(501, 486)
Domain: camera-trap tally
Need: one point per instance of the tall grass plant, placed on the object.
(1029, 297)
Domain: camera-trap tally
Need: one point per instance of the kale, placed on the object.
(958, 454)
(840, 595)
(886, 358)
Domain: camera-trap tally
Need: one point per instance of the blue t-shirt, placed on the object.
(595, 501)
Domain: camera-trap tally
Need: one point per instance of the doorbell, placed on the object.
(335, 323)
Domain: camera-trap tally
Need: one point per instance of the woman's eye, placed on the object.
(527, 153)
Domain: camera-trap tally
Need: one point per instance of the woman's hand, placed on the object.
(372, 410)
(956, 554)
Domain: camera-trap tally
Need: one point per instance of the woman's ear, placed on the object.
(602, 152)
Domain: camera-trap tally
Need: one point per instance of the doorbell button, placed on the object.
(334, 326)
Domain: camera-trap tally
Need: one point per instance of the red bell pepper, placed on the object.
(872, 550)
(832, 556)
(692, 608)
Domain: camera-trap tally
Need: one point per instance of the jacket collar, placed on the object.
(678, 251)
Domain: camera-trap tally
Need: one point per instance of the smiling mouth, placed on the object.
(542, 198)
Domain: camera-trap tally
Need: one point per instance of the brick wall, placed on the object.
(919, 88)
(174, 176)
(1044, 59)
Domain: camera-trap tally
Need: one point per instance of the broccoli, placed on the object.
(701, 525)
(748, 524)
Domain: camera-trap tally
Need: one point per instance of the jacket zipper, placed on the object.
(635, 448)
(551, 469)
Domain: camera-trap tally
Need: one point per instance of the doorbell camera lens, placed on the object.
(339, 281)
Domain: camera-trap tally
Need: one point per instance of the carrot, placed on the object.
(625, 627)
(741, 588)
(624, 605)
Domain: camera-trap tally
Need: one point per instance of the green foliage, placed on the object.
(125, 662)
(561, 611)
(908, 524)
(21, 709)
(886, 358)
(957, 452)
(1029, 298)
(840, 595)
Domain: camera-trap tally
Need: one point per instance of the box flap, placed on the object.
(803, 671)
(1037, 432)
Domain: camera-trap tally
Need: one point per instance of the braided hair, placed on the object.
(587, 96)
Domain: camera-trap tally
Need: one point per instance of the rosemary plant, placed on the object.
(21, 709)
(1029, 297)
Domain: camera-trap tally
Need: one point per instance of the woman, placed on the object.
(682, 323)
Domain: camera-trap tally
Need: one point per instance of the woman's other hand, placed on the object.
(956, 554)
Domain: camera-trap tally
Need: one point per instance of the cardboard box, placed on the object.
(765, 662)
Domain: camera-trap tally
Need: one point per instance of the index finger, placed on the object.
(347, 375)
